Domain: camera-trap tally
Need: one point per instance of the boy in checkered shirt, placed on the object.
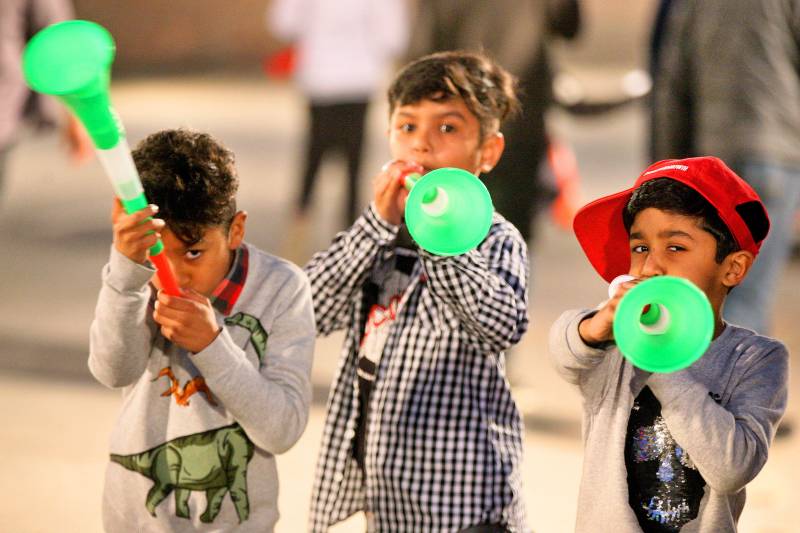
(668, 452)
(215, 382)
(422, 432)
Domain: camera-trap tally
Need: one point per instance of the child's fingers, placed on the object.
(176, 305)
(609, 311)
(386, 166)
(145, 228)
(623, 288)
(125, 229)
(380, 182)
(169, 328)
(139, 237)
(404, 169)
(164, 317)
(117, 210)
(126, 221)
(193, 295)
(145, 241)
(396, 183)
(385, 176)
(136, 243)
(398, 169)
(169, 319)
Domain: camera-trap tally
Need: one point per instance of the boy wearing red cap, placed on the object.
(667, 452)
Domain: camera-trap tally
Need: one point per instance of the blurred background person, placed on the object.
(518, 34)
(732, 90)
(19, 20)
(342, 52)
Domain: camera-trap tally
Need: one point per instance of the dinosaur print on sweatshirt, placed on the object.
(214, 462)
(258, 335)
(182, 394)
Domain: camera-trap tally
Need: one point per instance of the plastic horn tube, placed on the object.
(119, 167)
(411, 179)
(448, 211)
(663, 324)
(654, 319)
(72, 61)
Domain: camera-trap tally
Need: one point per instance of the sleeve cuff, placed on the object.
(376, 228)
(125, 275)
(216, 359)
(577, 346)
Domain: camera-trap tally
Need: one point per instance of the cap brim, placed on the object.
(602, 235)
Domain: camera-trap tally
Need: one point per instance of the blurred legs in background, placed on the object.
(332, 128)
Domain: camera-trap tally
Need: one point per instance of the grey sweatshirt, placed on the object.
(193, 447)
(727, 441)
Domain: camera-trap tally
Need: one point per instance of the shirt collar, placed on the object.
(227, 292)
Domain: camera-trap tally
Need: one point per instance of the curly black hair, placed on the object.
(486, 88)
(674, 197)
(191, 178)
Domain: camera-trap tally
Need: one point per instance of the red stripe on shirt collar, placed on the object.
(227, 292)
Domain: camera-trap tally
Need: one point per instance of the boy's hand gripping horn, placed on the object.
(448, 210)
(72, 60)
(663, 324)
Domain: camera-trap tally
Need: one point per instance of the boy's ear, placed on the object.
(236, 231)
(491, 150)
(737, 265)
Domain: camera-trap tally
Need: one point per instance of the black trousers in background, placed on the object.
(519, 190)
(335, 127)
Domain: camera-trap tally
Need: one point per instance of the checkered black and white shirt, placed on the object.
(444, 438)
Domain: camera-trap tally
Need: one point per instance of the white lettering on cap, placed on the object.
(668, 167)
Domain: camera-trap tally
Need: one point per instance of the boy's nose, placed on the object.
(181, 275)
(420, 144)
(652, 266)
(184, 281)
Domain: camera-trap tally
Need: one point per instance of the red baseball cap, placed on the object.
(601, 232)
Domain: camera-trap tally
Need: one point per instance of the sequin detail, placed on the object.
(664, 485)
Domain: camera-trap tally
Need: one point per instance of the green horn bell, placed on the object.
(72, 60)
(448, 211)
(663, 324)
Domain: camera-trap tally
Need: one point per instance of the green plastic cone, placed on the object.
(449, 211)
(669, 335)
(72, 60)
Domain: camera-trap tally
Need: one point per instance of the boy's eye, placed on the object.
(675, 248)
(446, 128)
(407, 127)
(639, 249)
(193, 254)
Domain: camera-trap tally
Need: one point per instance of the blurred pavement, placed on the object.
(56, 235)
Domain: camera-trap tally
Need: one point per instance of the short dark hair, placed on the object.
(191, 178)
(673, 196)
(486, 88)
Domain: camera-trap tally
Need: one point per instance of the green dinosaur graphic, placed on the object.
(258, 336)
(213, 461)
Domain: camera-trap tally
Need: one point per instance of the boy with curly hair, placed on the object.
(215, 382)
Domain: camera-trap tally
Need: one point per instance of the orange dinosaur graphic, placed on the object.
(182, 394)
